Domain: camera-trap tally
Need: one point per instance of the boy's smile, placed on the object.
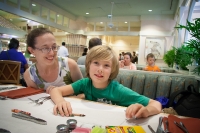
(100, 72)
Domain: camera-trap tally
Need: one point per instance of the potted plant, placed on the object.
(169, 57)
(193, 44)
(177, 56)
(182, 57)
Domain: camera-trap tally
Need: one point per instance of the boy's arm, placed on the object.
(61, 106)
(154, 107)
(138, 110)
(145, 68)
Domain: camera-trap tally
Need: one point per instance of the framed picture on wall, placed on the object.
(155, 46)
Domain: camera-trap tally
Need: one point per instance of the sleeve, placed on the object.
(78, 86)
(23, 59)
(2, 55)
(128, 97)
(67, 51)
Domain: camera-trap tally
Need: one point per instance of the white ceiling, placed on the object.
(101, 8)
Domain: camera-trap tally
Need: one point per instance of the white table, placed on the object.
(96, 113)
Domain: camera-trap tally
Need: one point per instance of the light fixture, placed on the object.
(150, 10)
(87, 13)
(58, 15)
(101, 22)
(33, 4)
(10, 19)
(125, 22)
(110, 16)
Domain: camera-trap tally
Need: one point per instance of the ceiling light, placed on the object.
(58, 15)
(109, 16)
(33, 4)
(10, 19)
(125, 22)
(101, 22)
(150, 10)
(87, 13)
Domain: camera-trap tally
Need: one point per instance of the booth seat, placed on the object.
(162, 69)
(153, 84)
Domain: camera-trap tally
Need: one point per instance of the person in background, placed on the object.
(49, 70)
(63, 51)
(134, 58)
(92, 42)
(151, 64)
(121, 57)
(126, 63)
(102, 67)
(14, 55)
(84, 51)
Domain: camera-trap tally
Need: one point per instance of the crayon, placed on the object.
(72, 115)
(17, 111)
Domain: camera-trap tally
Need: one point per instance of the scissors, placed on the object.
(181, 126)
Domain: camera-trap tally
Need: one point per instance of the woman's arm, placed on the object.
(28, 79)
(133, 67)
(121, 64)
(25, 67)
(74, 70)
(61, 105)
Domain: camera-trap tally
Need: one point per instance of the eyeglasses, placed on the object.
(47, 50)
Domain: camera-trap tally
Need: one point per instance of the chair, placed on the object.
(9, 71)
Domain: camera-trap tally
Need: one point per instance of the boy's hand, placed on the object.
(136, 111)
(145, 69)
(63, 108)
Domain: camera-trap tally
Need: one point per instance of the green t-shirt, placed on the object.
(114, 93)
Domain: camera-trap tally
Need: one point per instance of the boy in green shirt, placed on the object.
(102, 67)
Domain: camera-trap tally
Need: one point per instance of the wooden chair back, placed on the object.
(9, 71)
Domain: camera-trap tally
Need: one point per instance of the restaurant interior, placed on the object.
(125, 26)
(141, 26)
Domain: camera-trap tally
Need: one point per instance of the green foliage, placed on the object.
(169, 57)
(183, 57)
(193, 44)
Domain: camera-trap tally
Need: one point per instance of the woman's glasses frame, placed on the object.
(47, 50)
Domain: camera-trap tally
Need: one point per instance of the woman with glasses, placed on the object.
(49, 70)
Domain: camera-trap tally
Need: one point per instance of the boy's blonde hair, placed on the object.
(102, 52)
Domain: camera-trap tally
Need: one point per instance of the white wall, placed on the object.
(156, 26)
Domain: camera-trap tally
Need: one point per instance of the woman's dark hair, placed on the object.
(34, 34)
(14, 44)
(129, 54)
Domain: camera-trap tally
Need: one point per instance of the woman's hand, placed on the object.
(136, 111)
(63, 108)
(121, 63)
